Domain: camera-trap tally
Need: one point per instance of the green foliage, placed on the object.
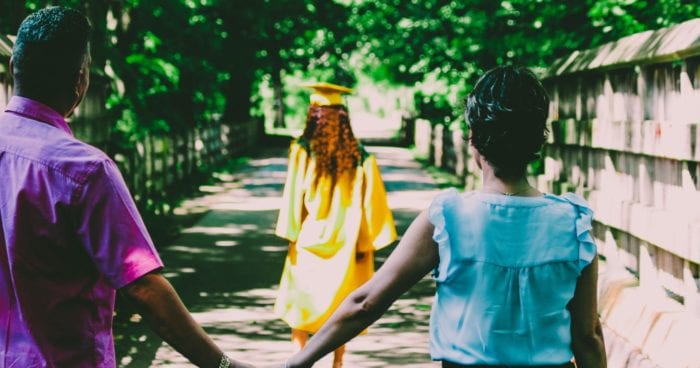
(452, 42)
(618, 18)
(175, 63)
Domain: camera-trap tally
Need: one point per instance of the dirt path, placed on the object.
(227, 267)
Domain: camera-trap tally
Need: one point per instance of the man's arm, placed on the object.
(586, 329)
(413, 258)
(158, 303)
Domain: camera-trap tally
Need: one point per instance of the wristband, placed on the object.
(224, 362)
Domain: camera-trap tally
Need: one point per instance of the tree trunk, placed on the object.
(97, 12)
(239, 91)
(13, 13)
(278, 98)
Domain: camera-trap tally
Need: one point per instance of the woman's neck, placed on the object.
(511, 187)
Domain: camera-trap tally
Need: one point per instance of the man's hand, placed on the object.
(158, 303)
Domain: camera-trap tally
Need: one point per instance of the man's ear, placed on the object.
(12, 69)
(78, 80)
(81, 79)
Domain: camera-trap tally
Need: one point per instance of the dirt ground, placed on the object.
(226, 268)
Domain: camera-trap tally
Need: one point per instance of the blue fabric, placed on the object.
(508, 268)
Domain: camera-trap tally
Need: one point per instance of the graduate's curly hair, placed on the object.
(331, 140)
(507, 114)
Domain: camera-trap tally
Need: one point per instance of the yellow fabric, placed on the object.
(326, 228)
(326, 94)
(325, 99)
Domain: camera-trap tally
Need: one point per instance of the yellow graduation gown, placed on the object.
(327, 226)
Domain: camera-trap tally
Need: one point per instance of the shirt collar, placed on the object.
(37, 111)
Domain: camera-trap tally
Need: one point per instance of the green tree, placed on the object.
(453, 42)
(278, 37)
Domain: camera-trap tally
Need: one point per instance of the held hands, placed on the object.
(227, 362)
(276, 365)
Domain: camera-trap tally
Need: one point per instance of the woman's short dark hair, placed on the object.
(507, 115)
(50, 49)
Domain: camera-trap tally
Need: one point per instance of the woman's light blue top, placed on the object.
(508, 268)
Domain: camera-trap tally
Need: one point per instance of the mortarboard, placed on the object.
(326, 93)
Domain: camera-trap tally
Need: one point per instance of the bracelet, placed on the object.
(224, 362)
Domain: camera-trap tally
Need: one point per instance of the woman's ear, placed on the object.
(477, 156)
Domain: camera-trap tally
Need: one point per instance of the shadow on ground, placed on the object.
(227, 267)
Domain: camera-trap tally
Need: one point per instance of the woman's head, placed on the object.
(331, 140)
(507, 114)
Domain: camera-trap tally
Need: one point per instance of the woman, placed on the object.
(516, 269)
(335, 215)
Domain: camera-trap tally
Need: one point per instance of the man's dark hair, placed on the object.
(49, 51)
(507, 115)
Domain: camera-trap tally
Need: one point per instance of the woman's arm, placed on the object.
(412, 259)
(586, 330)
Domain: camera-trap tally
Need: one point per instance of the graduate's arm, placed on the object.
(412, 259)
(158, 303)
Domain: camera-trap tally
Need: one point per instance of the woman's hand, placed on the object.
(412, 259)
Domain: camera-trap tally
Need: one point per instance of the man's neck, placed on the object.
(54, 105)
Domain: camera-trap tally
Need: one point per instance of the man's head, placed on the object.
(51, 58)
(507, 115)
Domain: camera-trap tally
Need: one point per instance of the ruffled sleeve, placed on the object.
(289, 220)
(436, 216)
(584, 219)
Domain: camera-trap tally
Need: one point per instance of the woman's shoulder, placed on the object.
(364, 154)
(574, 200)
(302, 143)
(447, 200)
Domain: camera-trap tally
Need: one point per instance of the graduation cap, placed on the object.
(326, 93)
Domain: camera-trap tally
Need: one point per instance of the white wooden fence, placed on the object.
(624, 133)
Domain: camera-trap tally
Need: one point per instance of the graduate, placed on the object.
(334, 213)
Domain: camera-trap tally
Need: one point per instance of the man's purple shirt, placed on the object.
(70, 235)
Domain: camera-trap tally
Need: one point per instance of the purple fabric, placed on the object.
(70, 235)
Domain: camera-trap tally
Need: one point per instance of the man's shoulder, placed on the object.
(78, 159)
(54, 150)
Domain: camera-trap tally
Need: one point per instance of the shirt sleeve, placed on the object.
(584, 219)
(111, 229)
(441, 235)
(379, 222)
(289, 220)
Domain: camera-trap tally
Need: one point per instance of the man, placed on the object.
(70, 234)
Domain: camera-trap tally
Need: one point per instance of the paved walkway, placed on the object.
(227, 268)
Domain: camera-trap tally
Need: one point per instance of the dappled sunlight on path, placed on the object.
(227, 267)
